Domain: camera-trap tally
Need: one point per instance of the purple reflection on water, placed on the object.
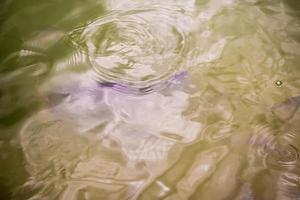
(124, 88)
(89, 103)
(177, 78)
(96, 89)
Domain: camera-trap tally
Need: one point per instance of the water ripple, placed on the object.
(283, 156)
(288, 185)
(277, 153)
(136, 48)
(25, 62)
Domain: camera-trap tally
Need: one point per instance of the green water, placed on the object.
(147, 100)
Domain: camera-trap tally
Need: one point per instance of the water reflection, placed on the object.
(133, 135)
(194, 99)
(136, 48)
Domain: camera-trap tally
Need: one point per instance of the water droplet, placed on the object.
(278, 83)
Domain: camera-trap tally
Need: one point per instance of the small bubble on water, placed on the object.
(278, 83)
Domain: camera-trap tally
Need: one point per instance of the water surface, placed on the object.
(146, 100)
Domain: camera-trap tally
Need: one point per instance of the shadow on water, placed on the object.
(4, 189)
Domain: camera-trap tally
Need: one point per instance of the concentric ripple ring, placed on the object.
(138, 48)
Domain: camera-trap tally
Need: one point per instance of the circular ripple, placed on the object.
(288, 185)
(136, 49)
(276, 152)
(283, 156)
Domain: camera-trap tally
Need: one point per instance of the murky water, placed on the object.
(147, 100)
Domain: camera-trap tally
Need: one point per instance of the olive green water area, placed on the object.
(148, 100)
